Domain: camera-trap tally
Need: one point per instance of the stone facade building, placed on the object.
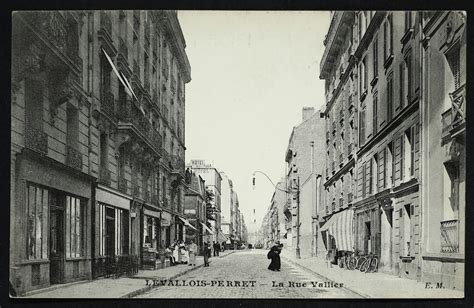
(305, 157)
(97, 142)
(374, 65)
(443, 150)
(195, 210)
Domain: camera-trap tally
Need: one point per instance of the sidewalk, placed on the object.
(120, 287)
(373, 285)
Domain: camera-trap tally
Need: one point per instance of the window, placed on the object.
(364, 180)
(37, 211)
(74, 227)
(113, 231)
(408, 77)
(103, 151)
(363, 78)
(390, 164)
(72, 126)
(408, 152)
(105, 71)
(374, 171)
(375, 111)
(381, 169)
(405, 215)
(34, 104)
(362, 24)
(389, 97)
(453, 57)
(362, 127)
(163, 191)
(150, 231)
(388, 37)
(375, 55)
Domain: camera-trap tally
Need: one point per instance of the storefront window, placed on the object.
(113, 231)
(37, 209)
(150, 231)
(74, 227)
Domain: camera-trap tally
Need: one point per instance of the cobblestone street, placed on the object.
(248, 266)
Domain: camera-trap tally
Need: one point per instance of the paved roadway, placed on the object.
(222, 278)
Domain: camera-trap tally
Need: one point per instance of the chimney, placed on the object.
(307, 112)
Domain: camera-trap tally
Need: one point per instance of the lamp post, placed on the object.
(295, 191)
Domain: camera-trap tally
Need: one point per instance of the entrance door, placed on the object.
(368, 238)
(109, 231)
(56, 246)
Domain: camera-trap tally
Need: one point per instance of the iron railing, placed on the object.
(450, 236)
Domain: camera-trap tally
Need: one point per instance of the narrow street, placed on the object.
(248, 265)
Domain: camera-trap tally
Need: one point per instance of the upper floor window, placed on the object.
(375, 111)
(388, 37)
(453, 56)
(34, 104)
(375, 57)
(362, 126)
(389, 97)
(105, 71)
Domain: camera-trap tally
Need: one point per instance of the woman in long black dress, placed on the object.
(274, 255)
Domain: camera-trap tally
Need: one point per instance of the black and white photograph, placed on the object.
(220, 154)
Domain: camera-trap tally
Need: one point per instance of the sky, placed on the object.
(252, 73)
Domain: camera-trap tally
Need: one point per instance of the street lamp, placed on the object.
(295, 190)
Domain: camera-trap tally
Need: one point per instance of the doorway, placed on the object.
(109, 231)
(56, 247)
(368, 238)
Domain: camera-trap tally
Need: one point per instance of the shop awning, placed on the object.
(339, 226)
(187, 223)
(207, 228)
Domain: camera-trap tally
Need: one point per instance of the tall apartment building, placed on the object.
(213, 180)
(373, 66)
(305, 157)
(443, 147)
(97, 140)
(195, 210)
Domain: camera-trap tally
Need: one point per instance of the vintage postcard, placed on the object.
(238, 154)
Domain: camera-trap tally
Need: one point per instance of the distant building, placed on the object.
(305, 157)
(195, 209)
(226, 207)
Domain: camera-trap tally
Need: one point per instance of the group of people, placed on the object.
(179, 253)
(274, 255)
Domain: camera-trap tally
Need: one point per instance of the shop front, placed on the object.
(338, 234)
(166, 228)
(152, 247)
(50, 239)
(112, 229)
(367, 228)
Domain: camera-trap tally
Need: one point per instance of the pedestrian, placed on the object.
(214, 246)
(176, 254)
(218, 248)
(274, 255)
(206, 253)
(169, 255)
(192, 253)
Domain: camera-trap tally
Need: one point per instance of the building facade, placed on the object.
(305, 157)
(97, 140)
(226, 207)
(443, 147)
(195, 210)
(378, 67)
(213, 181)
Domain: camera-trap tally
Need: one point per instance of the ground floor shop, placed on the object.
(50, 223)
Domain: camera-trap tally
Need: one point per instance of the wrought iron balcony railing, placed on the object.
(450, 236)
(73, 158)
(123, 185)
(36, 140)
(104, 176)
(458, 100)
(108, 104)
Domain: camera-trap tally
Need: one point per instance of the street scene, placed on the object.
(232, 154)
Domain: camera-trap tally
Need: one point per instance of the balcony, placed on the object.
(458, 114)
(73, 158)
(450, 236)
(104, 176)
(177, 162)
(136, 190)
(107, 104)
(36, 140)
(123, 185)
(147, 196)
(132, 118)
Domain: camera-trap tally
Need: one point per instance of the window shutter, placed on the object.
(402, 156)
(360, 181)
(381, 170)
(368, 177)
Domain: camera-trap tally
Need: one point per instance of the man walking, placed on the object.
(218, 248)
(206, 253)
(214, 246)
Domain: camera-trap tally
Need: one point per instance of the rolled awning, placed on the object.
(340, 227)
(207, 228)
(187, 223)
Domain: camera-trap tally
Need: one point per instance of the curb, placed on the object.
(51, 288)
(328, 279)
(150, 287)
